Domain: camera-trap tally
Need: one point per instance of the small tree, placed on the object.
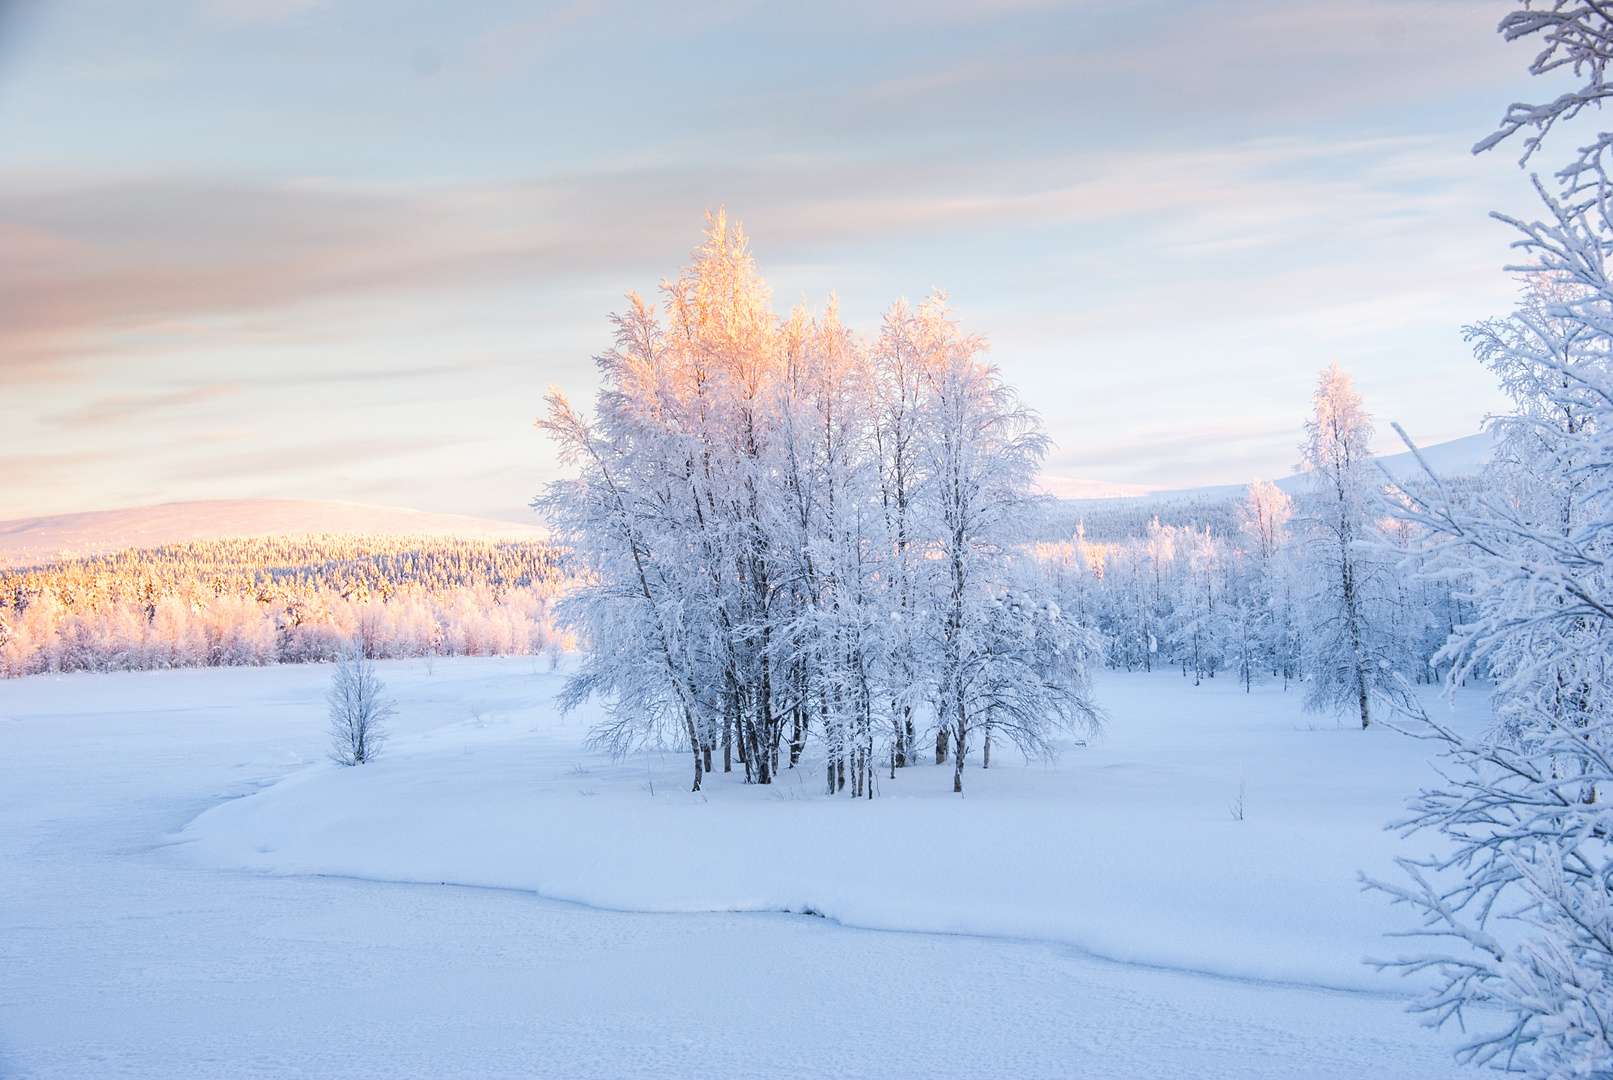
(1349, 659)
(358, 712)
(1263, 519)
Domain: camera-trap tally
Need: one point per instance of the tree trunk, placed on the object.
(797, 735)
(957, 763)
(898, 745)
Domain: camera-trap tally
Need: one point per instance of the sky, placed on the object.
(337, 249)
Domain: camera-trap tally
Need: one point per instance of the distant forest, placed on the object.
(1107, 521)
(279, 599)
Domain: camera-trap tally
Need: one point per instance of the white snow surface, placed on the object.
(25, 541)
(1126, 849)
(136, 946)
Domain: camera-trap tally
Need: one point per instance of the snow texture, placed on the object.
(133, 948)
(1126, 849)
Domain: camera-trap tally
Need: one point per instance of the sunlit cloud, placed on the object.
(142, 408)
(1153, 211)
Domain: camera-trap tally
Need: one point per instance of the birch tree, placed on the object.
(786, 533)
(982, 448)
(1339, 666)
(1522, 906)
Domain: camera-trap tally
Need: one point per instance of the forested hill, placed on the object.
(1215, 509)
(260, 600)
(1110, 521)
(32, 541)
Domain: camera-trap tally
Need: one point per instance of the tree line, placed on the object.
(261, 600)
(1311, 590)
(785, 531)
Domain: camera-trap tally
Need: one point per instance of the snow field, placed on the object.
(134, 948)
(1127, 849)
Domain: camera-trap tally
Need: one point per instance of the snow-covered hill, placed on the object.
(1457, 457)
(27, 541)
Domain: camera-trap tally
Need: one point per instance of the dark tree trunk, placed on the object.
(798, 733)
(957, 759)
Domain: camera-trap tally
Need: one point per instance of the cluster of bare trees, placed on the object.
(279, 599)
(787, 533)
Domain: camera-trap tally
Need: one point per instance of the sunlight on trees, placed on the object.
(786, 532)
(270, 600)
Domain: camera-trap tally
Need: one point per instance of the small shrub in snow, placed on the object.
(358, 711)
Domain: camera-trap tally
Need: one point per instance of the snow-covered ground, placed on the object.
(1105, 917)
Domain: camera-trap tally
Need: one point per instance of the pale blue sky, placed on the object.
(330, 249)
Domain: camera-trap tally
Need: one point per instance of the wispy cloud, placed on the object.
(143, 408)
(1153, 209)
(88, 260)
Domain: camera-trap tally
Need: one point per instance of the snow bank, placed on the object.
(1127, 849)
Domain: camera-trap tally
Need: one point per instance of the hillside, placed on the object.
(1112, 512)
(28, 541)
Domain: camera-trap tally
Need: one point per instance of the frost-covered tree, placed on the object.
(358, 710)
(1347, 659)
(1524, 899)
(1205, 618)
(899, 369)
(1268, 600)
(650, 656)
(981, 448)
(784, 532)
(265, 600)
(1573, 36)
(1526, 890)
(833, 549)
(1538, 538)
